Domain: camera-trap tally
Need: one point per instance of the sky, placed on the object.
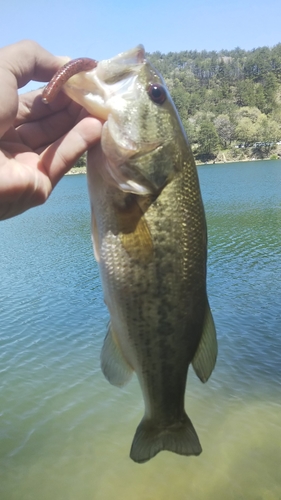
(101, 29)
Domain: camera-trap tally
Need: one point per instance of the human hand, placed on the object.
(38, 143)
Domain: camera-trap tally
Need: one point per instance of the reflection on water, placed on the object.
(65, 433)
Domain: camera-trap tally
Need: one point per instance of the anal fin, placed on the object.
(205, 357)
(95, 237)
(113, 364)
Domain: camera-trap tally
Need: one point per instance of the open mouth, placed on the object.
(92, 84)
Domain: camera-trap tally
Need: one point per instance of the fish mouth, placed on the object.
(105, 92)
(97, 90)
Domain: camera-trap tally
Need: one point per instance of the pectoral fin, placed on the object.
(113, 364)
(134, 231)
(138, 243)
(205, 357)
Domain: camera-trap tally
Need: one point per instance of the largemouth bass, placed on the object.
(150, 241)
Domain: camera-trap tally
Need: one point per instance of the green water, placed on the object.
(65, 433)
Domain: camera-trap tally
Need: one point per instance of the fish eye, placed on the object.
(157, 93)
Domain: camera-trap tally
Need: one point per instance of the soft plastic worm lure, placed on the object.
(63, 74)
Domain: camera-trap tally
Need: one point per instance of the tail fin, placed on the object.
(149, 439)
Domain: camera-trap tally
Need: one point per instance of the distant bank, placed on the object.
(220, 159)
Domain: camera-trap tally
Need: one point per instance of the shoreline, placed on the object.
(83, 170)
(77, 171)
(247, 160)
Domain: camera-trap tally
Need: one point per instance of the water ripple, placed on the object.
(57, 412)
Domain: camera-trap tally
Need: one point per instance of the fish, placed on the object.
(150, 241)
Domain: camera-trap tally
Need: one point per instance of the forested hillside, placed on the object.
(228, 100)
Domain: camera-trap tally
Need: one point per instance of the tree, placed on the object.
(223, 83)
(258, 63)
(81, 162)
(181, 99)
(245, 131)
(245, 93)
(191, 131)
(270, 87)
(260, 100)
(225, 129)
(208, 138)
(247, 112)
(268, 131)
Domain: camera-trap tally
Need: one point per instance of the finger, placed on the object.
(31, 107)
(58, 158)
(43, 132)
(20, 63)
(27, 60)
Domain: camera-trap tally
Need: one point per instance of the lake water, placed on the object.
(65, 432)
